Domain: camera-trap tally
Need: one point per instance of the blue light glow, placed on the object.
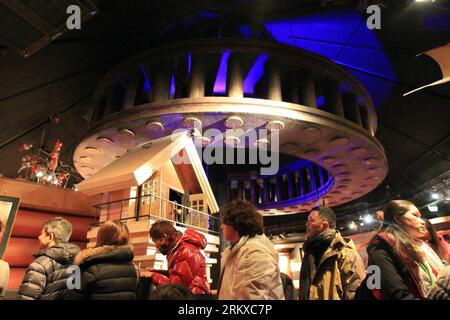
(255, 74)
(320, 101)
(341, 36)
(172, 87)
(245, 31)
(209, 15)
(328, 182)
(436, 20)
(189, 63)
(147, 86)
(220, 85)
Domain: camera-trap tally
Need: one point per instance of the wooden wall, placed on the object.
(39, 203)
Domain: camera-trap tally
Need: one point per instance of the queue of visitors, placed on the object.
(410, 259)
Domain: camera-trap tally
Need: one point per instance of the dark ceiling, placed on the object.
(60, 78)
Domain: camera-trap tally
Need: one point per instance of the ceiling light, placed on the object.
(91, 150)
(192, 122)
(261, 142)
(126, 132)
(203, 141)
(232, 140)
(368, 219)
(352, 225)
(85, 159)
(234, 122)
(275, 125)
(105, 141)
(433, 208)
(155, 126)
(435, 195)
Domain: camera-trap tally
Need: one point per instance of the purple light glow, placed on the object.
(327, 184)
(172, 87)
(189, 63)
(255, 73)
(147, 85)
(341, 36)
(220, 85)
(245, 31)
(320, 101)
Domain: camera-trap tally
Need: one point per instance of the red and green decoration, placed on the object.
(43, 168)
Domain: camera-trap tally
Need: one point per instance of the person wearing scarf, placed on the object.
(409, 268)
(332, 268)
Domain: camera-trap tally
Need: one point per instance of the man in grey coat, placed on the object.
(46, 276)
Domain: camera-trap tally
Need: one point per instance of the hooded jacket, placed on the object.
(107, 273)
(186, 263)
(249, 271)
(339, 272)
(46, 276)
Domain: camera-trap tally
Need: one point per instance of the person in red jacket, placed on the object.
(186, 263)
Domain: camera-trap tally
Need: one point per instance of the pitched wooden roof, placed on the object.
(140, 163)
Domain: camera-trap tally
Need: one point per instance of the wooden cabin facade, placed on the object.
(138, 189)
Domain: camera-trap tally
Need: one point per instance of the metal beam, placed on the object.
(29, 16)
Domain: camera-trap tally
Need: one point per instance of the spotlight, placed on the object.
(353, 225)
(368, 219)
(39, 174)
(434, 195)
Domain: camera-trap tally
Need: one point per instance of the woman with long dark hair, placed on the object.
(408, 267)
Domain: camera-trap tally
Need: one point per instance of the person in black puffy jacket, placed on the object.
(107, 270)
(46, 276)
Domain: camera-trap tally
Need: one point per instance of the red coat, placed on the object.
(446, 247)
(186, 264)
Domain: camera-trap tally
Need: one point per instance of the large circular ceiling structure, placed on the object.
(322, 116)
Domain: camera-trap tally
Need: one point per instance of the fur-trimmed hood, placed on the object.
(105, 254)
